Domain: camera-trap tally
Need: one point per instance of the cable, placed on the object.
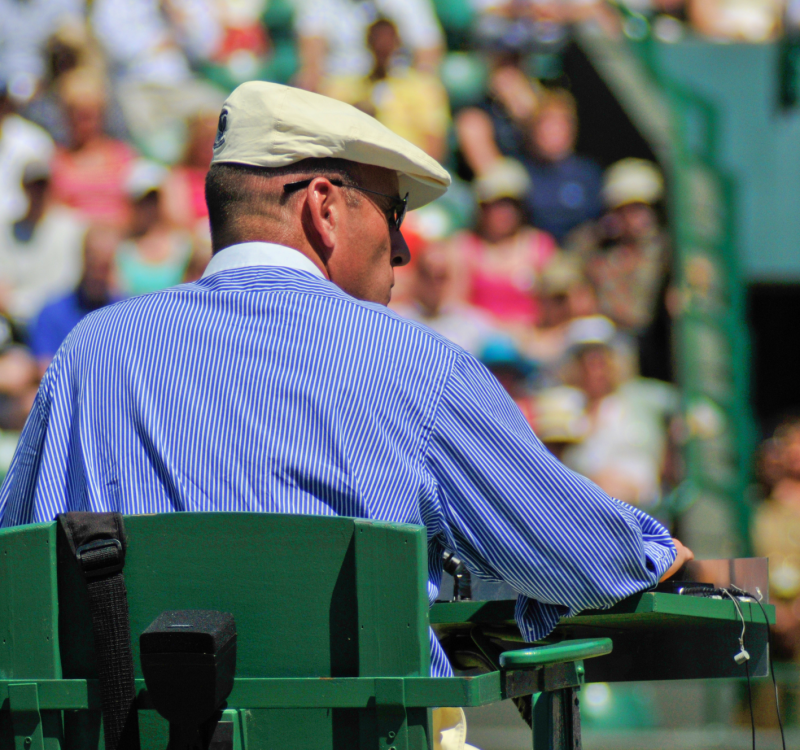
(757, 600)
(750, 701)
(744, 657)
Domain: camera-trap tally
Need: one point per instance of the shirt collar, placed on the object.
(248, 254)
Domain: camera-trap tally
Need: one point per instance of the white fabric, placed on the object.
(248, 254)
(269, 125)
(149, 47)
(450, 729)
(21, 142)
(47, 266)
(343, 24)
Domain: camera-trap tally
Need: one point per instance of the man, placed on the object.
(279, 382)
(94, 291)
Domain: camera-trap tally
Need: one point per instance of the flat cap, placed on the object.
(268, 125)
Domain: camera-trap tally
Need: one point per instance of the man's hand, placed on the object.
(683, 556)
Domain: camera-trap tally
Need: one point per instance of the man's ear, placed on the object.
(322, 215)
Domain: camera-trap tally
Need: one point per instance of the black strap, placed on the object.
(97, 540)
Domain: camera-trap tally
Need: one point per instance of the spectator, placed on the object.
(149, 45)
(20, 143)
(70, 47)
(40, 253)
(432, 303)
(559, 418)
(24, 31)
(512, 370)
(502, 260)
(498, 126)
(94, 290)
(565, 190)
(18, 383)
(409, 102)
(89, 173)
(537, 26)
(626, 254)
(184, 190)
(776, 535)
(156, 255)
(331, 36)
(564, 294)
(625, 448)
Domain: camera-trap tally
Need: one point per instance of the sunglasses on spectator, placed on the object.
(394, 214)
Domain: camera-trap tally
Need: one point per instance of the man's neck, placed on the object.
(254, 253)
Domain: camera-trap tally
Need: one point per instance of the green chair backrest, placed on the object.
(312, 597)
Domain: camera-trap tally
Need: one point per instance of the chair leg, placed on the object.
(557, 720)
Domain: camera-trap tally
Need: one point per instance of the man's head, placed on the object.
(344, 229)
(317, 175)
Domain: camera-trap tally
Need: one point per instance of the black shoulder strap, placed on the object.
(97, 540)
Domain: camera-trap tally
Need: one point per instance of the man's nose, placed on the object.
(400, 253)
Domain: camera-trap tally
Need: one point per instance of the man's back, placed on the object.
(264, 389)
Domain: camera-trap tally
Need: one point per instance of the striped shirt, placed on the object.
(264, 387)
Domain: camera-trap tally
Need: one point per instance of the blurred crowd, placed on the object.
(551, 268)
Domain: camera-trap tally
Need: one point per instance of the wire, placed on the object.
(757, 600)
(743, 651)
(750, 701)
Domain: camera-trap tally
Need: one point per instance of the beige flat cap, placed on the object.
(269, 125)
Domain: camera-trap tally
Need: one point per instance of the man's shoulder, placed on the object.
(157, 311)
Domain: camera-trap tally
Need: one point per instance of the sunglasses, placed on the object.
(394, 214)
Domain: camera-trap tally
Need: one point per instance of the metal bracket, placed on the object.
(23, 703)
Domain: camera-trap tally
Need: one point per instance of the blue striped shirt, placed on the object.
(264, 387)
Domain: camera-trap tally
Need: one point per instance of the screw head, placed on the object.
(28, 742)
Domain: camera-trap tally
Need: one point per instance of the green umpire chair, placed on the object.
(332, 634)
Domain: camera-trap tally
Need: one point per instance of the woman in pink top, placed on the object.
(502, 260)
(90, 174)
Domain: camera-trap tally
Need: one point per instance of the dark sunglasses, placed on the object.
(394, 214)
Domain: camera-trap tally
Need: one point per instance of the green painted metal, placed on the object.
(23, 705)
(294, 693)
(657, 636)
(28, 604)
(640, 610)
(305, 605)
(557, 653)
(332, 617)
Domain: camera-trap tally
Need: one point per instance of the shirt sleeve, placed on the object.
(17, 493)
(513, 513)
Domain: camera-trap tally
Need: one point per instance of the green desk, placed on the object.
(656, 636)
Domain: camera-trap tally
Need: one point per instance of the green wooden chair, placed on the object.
(332, 621)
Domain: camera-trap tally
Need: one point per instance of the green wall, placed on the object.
(758, 143)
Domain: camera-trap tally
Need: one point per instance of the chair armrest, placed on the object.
(556, 653)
